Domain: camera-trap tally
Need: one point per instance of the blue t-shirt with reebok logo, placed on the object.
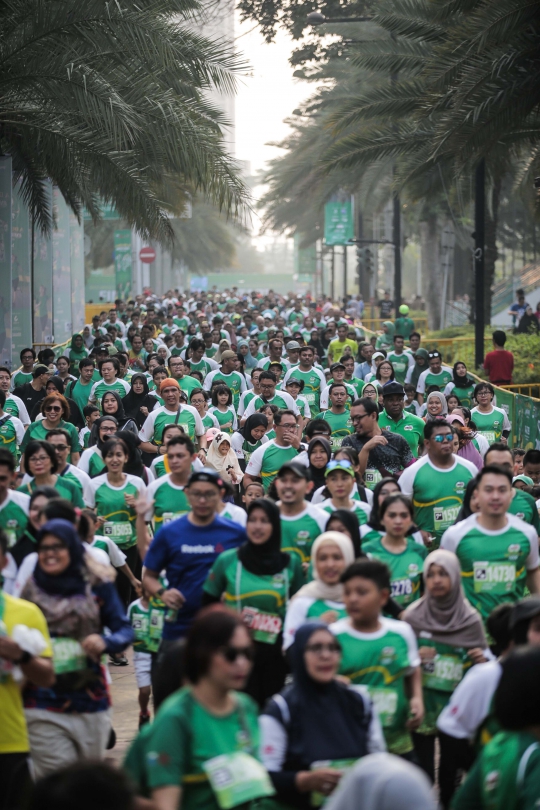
(187, 553)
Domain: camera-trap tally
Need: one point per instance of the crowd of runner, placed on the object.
(317, 540)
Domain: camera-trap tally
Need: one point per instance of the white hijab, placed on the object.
(317, 589)
(220, 462)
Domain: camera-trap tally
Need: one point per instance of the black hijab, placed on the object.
(317, 476)
(327, 721)
(132, 402)
(134, 464)
(94, 440)
(350, 521)
(71, 581)
(252, 422)
(461, 382)
(266, 559)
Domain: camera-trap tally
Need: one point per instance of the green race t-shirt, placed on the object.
(313, 386)
(65, 487)
(37, 430)
(493, 564)
(262, 600)
(340, 424)
(405, 568)
(233, 381)
(267, 460)
(109, 503)
(20, 378)
(298, 533)
(101, 388)
(170, 501)
(490, 425)
(185, 736)
(523, 506)
(409, 426)
(14, 515)
(80, 393)
(380, 661)
(436, 493)
(440, 676)
(400, 364)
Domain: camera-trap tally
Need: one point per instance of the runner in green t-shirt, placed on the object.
(340, 480)
(350, 364)
(13, 505)
(76, 352)
(109, 370)
(338, 416)
(395, 419)
(228, 376)
(301, 521)
(11, 429)
(267, 460)
(436, 374)
(404, 325)
(401, 360)
(490, 421)
(80, 390)
(380, 653)
(436, 483)
(314, 379)
(497, 552)
(166, 493)
(403, 555)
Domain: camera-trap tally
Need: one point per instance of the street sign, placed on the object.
(147, 255)
(338, 223)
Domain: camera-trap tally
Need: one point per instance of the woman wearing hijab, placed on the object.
(139, 402)
(249, 437)
(314, 722)
(528, 323)
(76, 352)
(248, 360)
(462, 386)
(222, 458)
(322, 598)
(386, 340)
(421, 359)
(134, 465)
(385, 782)
(319, 453)
(71, 720)
(436, 406)
(91, 461)
(224, 346)
(258, 580)
(451, 639)
(112, 405)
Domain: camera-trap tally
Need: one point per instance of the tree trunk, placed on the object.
(430, 261)
(491, 252)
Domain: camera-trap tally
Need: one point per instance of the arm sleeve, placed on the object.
(324, 397)
(146, 433)
(274, 742)
(116, 555)
(406, 481)
(216, 582)
(23, 413)
(250, 409)
(113, 617)
(532, 557)
(167, 751)
(294, 618)
(421, 384)
(19, 429)
(255, 462)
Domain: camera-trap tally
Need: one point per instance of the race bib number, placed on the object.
(490, 435)
(443, 673)
(372, 478)
(445, 517)
(237, 778)
(402, 587)
(265, 627)
(309, 396)
(140, 627)
(119, 531)
(155, 629)
(343, 765)
(493, 577)
(68, 655)
(168, 517)
(385, 701)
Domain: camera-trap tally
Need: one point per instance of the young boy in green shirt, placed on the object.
(380, 653)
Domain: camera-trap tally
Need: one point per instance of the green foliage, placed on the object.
(109, 100)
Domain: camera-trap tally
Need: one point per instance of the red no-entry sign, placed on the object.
(147, 255)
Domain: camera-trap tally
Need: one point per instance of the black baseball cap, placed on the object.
(336, 365)
(391, 388)
(298, 469)
(207, 476)
(40, 369)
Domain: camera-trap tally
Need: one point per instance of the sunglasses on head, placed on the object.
(335, 463)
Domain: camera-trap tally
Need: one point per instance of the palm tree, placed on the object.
(109, 101)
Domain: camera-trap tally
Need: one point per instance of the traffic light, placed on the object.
(368, 261)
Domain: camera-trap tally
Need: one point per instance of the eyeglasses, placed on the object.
(35, 459)
(60, 448)
(53, 549)
(230, 654)
(335, 463)
(108, 430)
(443, 437)
(204, 496)
(358, 417)
(288, 425)
(318, 649)
(53, 408)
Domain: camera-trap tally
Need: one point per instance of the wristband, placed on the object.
(25, 658)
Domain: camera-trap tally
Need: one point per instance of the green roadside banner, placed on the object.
(338, 223)
(505, 400)
(5, 261)
(527, 412)
(122, 263)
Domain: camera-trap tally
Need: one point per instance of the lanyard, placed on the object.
(238, 583)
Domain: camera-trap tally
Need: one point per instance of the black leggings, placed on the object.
(455, 756)
(123, 585)
(268, 673)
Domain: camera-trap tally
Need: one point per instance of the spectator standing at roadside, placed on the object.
(499, 363)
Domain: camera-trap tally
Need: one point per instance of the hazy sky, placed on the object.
(265, 97)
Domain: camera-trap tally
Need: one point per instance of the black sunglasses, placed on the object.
(230, 654)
